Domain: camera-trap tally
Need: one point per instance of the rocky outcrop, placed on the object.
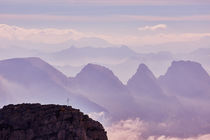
(47, 122)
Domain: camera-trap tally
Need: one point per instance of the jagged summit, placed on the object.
(143, 82)
(143, 70)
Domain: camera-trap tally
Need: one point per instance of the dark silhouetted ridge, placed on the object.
(47, 122)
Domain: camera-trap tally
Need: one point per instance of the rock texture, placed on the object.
(47, 122)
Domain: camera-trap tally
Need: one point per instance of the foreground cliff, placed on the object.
(47, 122)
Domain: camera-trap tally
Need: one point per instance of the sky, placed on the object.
(135, 23)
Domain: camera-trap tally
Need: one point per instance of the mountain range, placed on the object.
(171, 99)
(33, 80)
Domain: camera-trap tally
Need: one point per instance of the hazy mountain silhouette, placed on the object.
(186, 78)
(100, 85)
(144, 83)
(189, 82)
(153, 103)
(34, 80)
(165, 104)
(91, 52)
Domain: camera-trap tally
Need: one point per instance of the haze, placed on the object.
(140, 67)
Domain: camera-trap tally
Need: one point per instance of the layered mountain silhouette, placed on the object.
(101, 86)
(33, 80)
(180, 94)
(187, 79)
(153, 102)
(91, 52)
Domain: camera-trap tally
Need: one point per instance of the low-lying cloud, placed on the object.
(130, 129)
(135, 129)
(202, 137)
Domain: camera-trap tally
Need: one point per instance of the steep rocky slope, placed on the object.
(47, 122)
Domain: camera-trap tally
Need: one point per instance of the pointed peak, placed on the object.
(143, 72)
(143, 68)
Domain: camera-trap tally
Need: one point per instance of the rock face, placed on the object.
(47, 122)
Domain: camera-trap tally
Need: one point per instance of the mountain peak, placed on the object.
(144, 82)
(186, 78)
(143, 71)
(142, 67)
(187, 69)
(95, 70)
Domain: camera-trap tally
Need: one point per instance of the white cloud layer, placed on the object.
(153, 28)
(45, 35)
(202, 137)
(126, 130)
(133, 129)
(54, 38)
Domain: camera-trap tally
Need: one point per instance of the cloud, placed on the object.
(130, 129)
(45, 35)
(153, 28)
(135, 129)
(201, 137)
(99, 116)
(53, 39)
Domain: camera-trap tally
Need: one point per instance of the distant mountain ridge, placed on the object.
(34, 80)
(89, 52)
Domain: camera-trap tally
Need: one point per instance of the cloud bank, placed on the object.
(134, 129)
(130, 129)
(202, 137)
(55, 38)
